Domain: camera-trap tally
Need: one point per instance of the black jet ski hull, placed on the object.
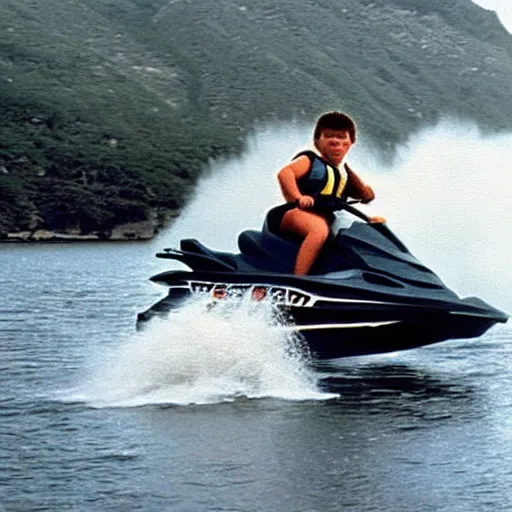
(366, 293)
(384, 337)
(333, 327)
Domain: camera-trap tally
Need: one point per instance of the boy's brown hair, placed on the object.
(335, 121)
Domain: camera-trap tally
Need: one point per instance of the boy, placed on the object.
(315, 178)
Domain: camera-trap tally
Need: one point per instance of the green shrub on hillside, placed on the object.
(111, 109)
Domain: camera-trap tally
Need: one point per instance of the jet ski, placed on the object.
(366, 293)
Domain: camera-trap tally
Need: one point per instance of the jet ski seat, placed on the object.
(271, 248)
(274, 218)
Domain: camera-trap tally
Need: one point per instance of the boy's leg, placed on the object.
(315, 230)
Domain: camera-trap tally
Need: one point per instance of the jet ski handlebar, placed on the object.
(329, 204)
(348, 206)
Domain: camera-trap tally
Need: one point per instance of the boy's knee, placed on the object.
(320, 234)
(324, 231)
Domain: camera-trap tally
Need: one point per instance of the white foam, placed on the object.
(198, 355)
(447, 196)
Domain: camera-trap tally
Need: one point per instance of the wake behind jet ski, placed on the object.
(365, 294)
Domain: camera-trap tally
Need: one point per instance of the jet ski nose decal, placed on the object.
(277, 295)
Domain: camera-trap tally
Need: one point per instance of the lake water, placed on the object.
(89, 421)
(208, 415)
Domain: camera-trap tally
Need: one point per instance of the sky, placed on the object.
(502, 7)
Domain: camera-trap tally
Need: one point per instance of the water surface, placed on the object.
(205, 414)
(429, 429)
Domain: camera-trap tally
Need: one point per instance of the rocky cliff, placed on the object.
(111, 109)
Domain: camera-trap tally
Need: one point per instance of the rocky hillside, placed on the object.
(112, 108)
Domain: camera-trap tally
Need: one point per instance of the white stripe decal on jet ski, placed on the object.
(335, 326)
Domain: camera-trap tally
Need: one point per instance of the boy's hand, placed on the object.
(305, 202)
(376, 219)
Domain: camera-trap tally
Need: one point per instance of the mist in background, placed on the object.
(447, 195)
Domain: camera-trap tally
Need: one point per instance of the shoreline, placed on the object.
(130, 232)
(44, 236)
(63, 239)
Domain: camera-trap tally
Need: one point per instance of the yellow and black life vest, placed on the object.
(323, 178)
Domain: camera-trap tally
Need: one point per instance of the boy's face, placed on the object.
(334, 144)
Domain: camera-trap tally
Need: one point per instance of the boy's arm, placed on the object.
(357, 188)
(290, 174)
